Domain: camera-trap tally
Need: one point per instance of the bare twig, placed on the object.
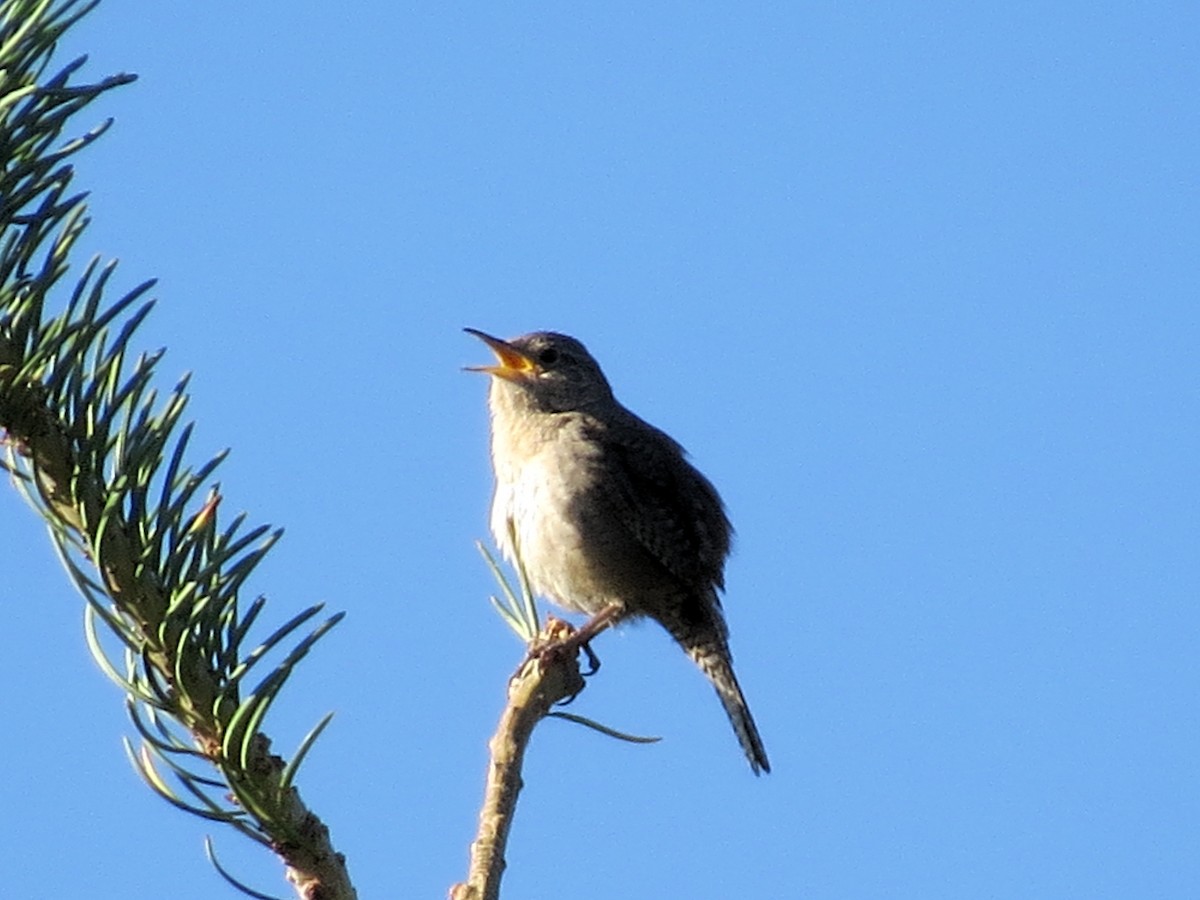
(546, 677)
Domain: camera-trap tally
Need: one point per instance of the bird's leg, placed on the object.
(580, 638)
(597, 623)
(563, 638)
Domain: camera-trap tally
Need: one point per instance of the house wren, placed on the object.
(610, 517)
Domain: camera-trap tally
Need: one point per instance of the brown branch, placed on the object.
(314, 868)
(546, 677)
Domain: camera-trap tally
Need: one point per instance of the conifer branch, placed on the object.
(101, 458)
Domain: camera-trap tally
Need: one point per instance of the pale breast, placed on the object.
(542, 499)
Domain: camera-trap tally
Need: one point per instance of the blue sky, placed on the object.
(914, 283)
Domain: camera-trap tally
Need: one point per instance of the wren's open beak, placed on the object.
(514, 364)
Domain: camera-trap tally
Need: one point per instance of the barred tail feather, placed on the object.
(714, 661)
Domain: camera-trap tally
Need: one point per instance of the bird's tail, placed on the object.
(709, 650)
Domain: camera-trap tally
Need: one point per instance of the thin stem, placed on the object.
(548, 676)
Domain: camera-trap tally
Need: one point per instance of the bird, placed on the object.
(610, 517)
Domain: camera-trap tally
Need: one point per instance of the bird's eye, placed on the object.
(548, 357)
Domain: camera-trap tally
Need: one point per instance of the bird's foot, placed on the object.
(560, 637)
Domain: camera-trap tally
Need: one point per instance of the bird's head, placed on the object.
(544, 371)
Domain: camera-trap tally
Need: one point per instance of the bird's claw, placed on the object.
(592, 659)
